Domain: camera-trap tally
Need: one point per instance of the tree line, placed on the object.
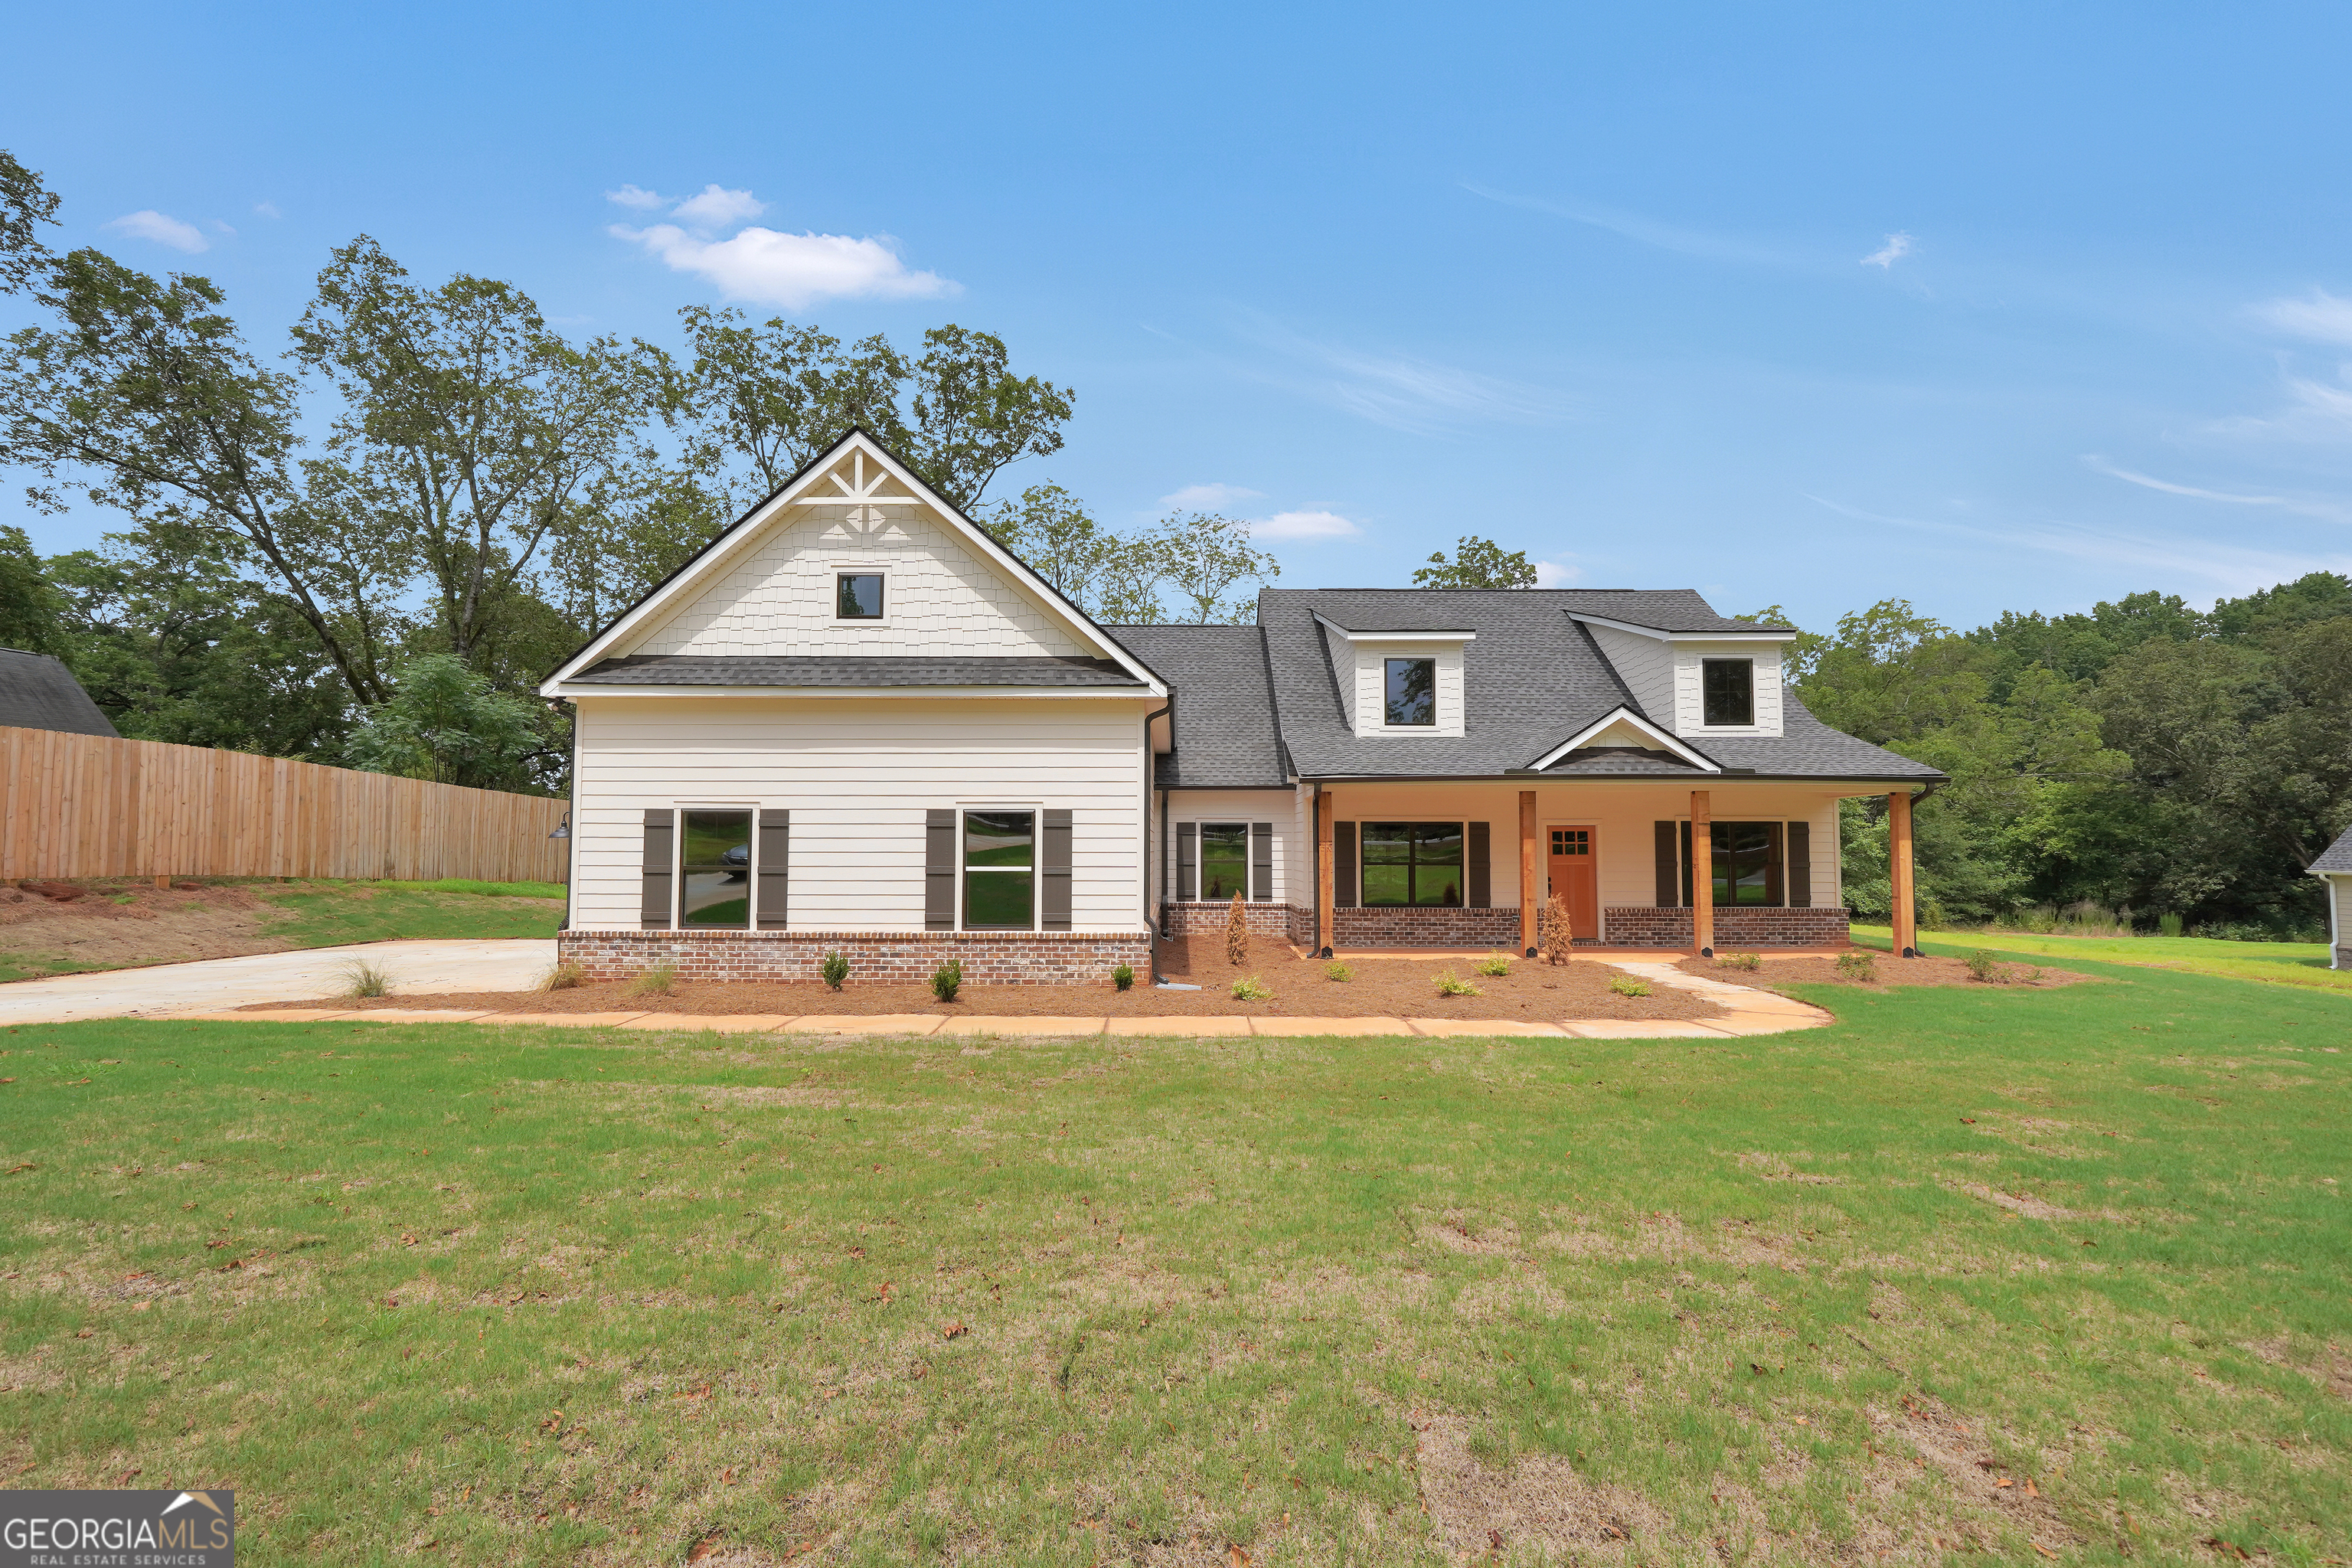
(369, 548)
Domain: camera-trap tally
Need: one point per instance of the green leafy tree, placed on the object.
(1203, 558)
(1477, 563)
(972, 416)
(445, 723)
(31, 610)
(1113, 579)
(26, 204)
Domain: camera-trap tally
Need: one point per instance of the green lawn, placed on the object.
(329, 914)
(548, 1296)
(2280, 963)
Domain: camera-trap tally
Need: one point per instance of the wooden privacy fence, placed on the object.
(90, 805)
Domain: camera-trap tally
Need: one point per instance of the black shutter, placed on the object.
(1482, 880)
(1343, 865)
(1801, 864)
(775, 867)
(661, 866)
(1261, 862)
(1776, 882)
(1670, 879)
(1187, 845)
(938, 870)
(1690, 863)
(1055, 901)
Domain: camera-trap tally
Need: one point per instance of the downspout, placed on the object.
(1150, 776)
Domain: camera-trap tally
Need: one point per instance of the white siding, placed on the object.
(1690, 706)
(1371, 687)
(775, 595)
(1646, 665)
(1293, 856)
(857, 776)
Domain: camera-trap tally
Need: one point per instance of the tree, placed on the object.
(974, 416)
(444, 723)
(25, 204)
(30, 609)
(1477, 563)
(1111, 579)
(1200, 556)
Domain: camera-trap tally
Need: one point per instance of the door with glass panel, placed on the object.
(714, 868)
(1575, 881)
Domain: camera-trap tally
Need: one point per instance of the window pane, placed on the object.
(1412, 691)
(999, 838)
(717, 838)
(1437, 863)
(1730, 689)
(714, 854)
(997, 899)
(1225, 859)
(860, 596)
(715, 899)
(1387, 856)
(1745, 854)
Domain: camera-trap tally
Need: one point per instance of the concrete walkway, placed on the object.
(219, 984)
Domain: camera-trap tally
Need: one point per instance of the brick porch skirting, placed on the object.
(1364, 925)
(876, 958)
(1640, 925)
(1206, 917)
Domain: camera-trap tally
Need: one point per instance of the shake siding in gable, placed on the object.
(857, 776)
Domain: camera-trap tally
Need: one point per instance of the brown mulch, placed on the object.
(1383, 987)
(1888, 971)
(115, 923)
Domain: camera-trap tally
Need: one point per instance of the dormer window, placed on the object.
(1412, 691)
(857, 596)
(1728, 688)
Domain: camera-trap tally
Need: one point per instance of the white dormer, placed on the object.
(1699, 683)
(1404, 683)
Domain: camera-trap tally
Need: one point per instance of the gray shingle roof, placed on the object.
(37, 692)
(820, 669)
(2336, 856)
(1661, 609)
(1224, 709)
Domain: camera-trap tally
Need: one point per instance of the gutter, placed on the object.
(1150, 777)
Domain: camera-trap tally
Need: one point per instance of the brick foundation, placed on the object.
(1282, 922)
(1369, 926)
(876, 958)
(1640, 925)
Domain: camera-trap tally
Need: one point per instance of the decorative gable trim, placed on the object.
(808, 488)
(1666, 739)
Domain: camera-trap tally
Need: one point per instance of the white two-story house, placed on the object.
(855, 724)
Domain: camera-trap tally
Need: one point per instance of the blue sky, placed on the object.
(1994, 306)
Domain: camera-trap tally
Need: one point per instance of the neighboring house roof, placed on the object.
(2337, 859)
(37, 692)
(1224, 735)
(829, 669)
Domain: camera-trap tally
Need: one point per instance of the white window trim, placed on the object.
(1390, 727)
(840, 569)
(1461, 822)
(1751, 726)
(1036, 862)
(1192, 895)
(677, 864)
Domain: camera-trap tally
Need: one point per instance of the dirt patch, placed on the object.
(1383, 987)
(1540, 1505)
(2327, 1366)
(1976, 1475)
(121, 924)
(1813, 970)
(2025, 1204)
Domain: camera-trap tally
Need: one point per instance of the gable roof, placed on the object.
(1224, 735)
(808, 488)
(37, 692)
(2336, 859)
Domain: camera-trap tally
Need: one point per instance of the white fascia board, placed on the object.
(1335, 627)
(975, 538)
(1623, 715)
(1658, 635)
(576, 690)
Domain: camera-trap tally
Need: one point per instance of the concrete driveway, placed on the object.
(213, 984)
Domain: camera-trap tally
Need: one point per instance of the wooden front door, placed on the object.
(1572, 878)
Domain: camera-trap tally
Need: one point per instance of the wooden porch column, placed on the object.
(1901, 876)
(1326, 811)
(1530, 872)
(1702, 874)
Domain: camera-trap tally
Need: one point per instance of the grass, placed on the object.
(535, 1295)
(330, 914)
(2279, 963)
(38, 966)
(481, 890)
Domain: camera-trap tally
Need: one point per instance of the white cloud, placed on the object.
(792, 270)
(1208, 498)
(634, 196)
(222, 227)
(151, 225)
(268, 209)
(1305, 526)
(2286, 503)
(2323, 316)
(1897, 247)
(716, 208)
(1553, 574)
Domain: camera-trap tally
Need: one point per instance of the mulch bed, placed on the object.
(1383, 987)
(1885, 972)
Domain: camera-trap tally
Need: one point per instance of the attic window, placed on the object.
(857, 596)
(1412, 691)
(1728, 686)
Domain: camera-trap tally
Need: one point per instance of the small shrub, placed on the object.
(1860, 967)
(565, 977)
(1983, 966)
(1494, 965)
(2033, 976)
(835, 969)
(1452, 984)
(1237, 934)
(1627, 986)
(1123, 976)
(1554, 933)
(1339, 972)
(1750, 962)
(2170, 924)
(362, 978)
(1250, 988)
(948, 978)
(655, 982)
